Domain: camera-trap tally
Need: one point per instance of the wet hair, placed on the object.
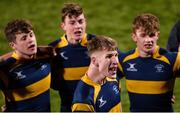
(149, 23)
(100, 43)
(15, 27)
(71, 10)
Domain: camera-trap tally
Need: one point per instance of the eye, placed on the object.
(24, 37)
(31, 34)
(142, 35)
(152, 35)
(116, 55)
(109, 56)
(72, 22)
(81, 21)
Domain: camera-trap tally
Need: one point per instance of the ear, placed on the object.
(12, 45)
(158, 34)
(94, 62)
(133, 36)
(62, 26)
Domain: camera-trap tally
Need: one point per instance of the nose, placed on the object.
(31, 39)
(114, 60)
(77, 25)
(147, 39)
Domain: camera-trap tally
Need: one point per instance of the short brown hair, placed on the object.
(101, 43)
(148, 22)
(17, 26)
(71, 9)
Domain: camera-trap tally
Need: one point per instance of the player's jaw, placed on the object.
(78, 34)
(149, 47)
(112, 70)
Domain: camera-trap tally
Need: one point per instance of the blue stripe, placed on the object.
(32, 72)
(41, 103)
(147, 102)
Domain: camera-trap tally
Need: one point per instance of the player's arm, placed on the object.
(174, 38)
(176, 68)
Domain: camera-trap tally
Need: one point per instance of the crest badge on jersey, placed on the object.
(159, 68)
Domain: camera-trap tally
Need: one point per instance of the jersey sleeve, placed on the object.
(176, 68)
(174, 38)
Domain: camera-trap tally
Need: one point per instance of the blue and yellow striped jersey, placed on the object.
(150, 81)
(92, 97)
(70, 65)
(26, 83)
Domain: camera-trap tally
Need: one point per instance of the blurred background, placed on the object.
(104, 17)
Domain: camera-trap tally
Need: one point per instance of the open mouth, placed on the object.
(78, 33)
(32, 46)
(112, 70)
(148, 46)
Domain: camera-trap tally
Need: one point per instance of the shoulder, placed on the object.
(177, 24)
(90, 36)
(171, 56)
(5, 56)
(123, 55)
(54, 43)
(167, 53)
(45, 52)
(7, 60)
(83, 92)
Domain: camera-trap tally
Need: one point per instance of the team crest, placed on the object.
(159, 68)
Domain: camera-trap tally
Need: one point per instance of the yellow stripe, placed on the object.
(111, 79)
(84, 40)
(177, 63)
(156, 55)
(149, 87)
(97, 87)
(74, 73)
(29, 91)
(15, 56)
(63, 42)
(82, 107)
(132, 56)
(116, 108)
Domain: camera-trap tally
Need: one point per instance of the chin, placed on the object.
(112, 76)
(33, 52)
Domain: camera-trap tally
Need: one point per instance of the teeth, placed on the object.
(77, 32)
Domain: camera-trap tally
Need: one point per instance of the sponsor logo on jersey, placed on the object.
(63, 56)
(20, 75)
(43, 67)
(102, 102)
(131, 67)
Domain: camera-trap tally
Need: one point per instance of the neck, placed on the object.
(24, 56)
(94, 75)
(72, 41)
(146, 54)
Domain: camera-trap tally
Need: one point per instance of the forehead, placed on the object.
(73, 17)
(140, 30)
(105, 52)
(21, 34)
